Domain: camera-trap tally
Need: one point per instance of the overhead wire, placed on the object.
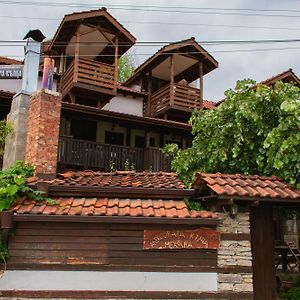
(198, 52)
(164, 43)
(188, 10)
(166, 23)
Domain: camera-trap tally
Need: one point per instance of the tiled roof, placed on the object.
(182, 43)
(208, 104)
(238, 185)
(289, 75)
(161, 180)
(127, 89)
(111, 207)
(6, 94)
(285, 76)
(9, 61)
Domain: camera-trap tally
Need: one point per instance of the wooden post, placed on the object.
(68, 126)
(172, 80)
(149, 112)
(128, 136)
(76, 58)
(116, 63)
(262, 244)
(147, 139)
(161, 140)
(201, 84)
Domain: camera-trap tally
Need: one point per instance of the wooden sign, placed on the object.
(202, 238)
(11, 71)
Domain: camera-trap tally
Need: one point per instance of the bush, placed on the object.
(292, 294)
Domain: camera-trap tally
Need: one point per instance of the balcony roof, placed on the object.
(98, 30)
(188, 54)
(110, 115)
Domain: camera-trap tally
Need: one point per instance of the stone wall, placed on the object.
(15, 142)
(235, 254)
(43, 131)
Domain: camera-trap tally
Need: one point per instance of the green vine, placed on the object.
(193, 205)
(13, 185)
(3, 251)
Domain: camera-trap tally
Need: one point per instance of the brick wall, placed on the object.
(43, 131)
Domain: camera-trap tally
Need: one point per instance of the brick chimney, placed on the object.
(43, 131)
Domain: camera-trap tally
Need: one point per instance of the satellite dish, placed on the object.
(35, 35)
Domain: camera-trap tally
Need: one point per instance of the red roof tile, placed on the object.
(238, 185)
(158, 180)
(129, 90)
(285, 76)
(9, 61)
(111, 207)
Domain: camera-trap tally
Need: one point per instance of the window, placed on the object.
(140, 142)
(114, 138)
(84, 129)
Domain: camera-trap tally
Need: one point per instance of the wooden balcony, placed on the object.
(174, 99)
(89, 77)
(91, 155)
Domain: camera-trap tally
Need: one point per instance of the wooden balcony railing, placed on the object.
(89, 72)
(178, 97)
(86, 154)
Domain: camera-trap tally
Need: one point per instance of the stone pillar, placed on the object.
(15, 142)
(234, 255)
(43, 131)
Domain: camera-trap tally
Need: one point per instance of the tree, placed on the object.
(126, 67)
(255, 131)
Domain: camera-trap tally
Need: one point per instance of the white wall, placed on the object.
(15, 85)
(108, 281)
(126, 104)
(11, 85)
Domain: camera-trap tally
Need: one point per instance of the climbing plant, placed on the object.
(256, 130)
(13, 185)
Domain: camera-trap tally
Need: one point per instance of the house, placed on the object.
(105, 124)
(129, 234)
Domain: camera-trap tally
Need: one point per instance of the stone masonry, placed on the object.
(235, 253)
(15, 143)
(43, 131)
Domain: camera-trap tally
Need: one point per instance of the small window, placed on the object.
(114, 138)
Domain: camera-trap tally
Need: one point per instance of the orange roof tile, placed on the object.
(111, 207)
(9, 61)
(161, 180)
(285, 76)
(240, 186)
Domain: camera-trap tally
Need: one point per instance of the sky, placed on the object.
(205, 20)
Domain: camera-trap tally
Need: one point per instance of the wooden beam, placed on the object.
(201, 84)
(76, 58)
(149, 93)
(128, 136)
(172, 80)
(147, 139)
(116, 63)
